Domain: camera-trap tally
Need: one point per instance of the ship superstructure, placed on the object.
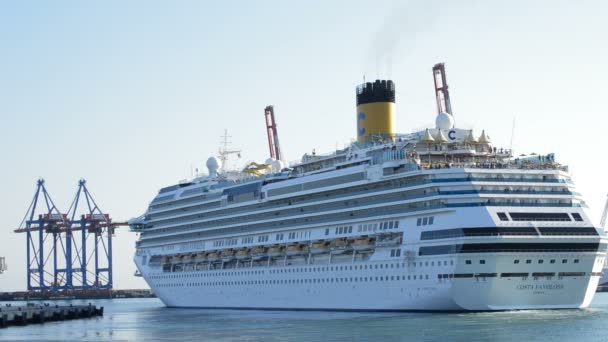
(439, 219)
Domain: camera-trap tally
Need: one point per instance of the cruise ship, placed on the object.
(440, 219)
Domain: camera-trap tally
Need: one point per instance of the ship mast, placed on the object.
(224, 152)
(604, 214)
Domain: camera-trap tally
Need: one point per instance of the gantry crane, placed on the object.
(67, 251)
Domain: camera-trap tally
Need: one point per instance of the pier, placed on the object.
(38, 314)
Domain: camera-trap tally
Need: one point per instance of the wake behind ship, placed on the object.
(436, 220)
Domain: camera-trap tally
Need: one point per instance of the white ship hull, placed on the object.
(408, 280)
(359, 289)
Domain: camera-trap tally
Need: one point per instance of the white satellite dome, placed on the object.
(278, 165)
(213, 164)
(444, 121)
(269, 161)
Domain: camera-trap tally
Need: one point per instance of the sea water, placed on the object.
(148, 320)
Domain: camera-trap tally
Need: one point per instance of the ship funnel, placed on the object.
(375, 110)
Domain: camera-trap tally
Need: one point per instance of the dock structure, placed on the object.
(67, 251)
(37, 314)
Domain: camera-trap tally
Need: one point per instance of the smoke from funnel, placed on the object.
(399, 33)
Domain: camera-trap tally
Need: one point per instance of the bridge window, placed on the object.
(540, 217)
(577, 217)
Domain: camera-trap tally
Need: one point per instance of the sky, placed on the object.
(132, 95)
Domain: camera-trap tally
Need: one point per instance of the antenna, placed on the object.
(224, 151)
(604, 214)
(512, 135)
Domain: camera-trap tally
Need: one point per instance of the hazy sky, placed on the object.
(130, 94)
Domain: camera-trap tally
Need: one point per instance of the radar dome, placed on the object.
(213, 164)
(269, 161)
(444, 121)
(278, 165)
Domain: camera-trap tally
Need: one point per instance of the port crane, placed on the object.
(273, 135)
(67, 251)
(441, 89)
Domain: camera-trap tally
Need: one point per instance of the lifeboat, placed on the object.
(242, 254)
(293, 250)
(391, 240)
(187, 259)
(227, 255)
(200, 257)
(176, 259)
(274, 252)
(213, 256)
(363, 244)
(258, 253)
(339, 246)
(319, 247)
